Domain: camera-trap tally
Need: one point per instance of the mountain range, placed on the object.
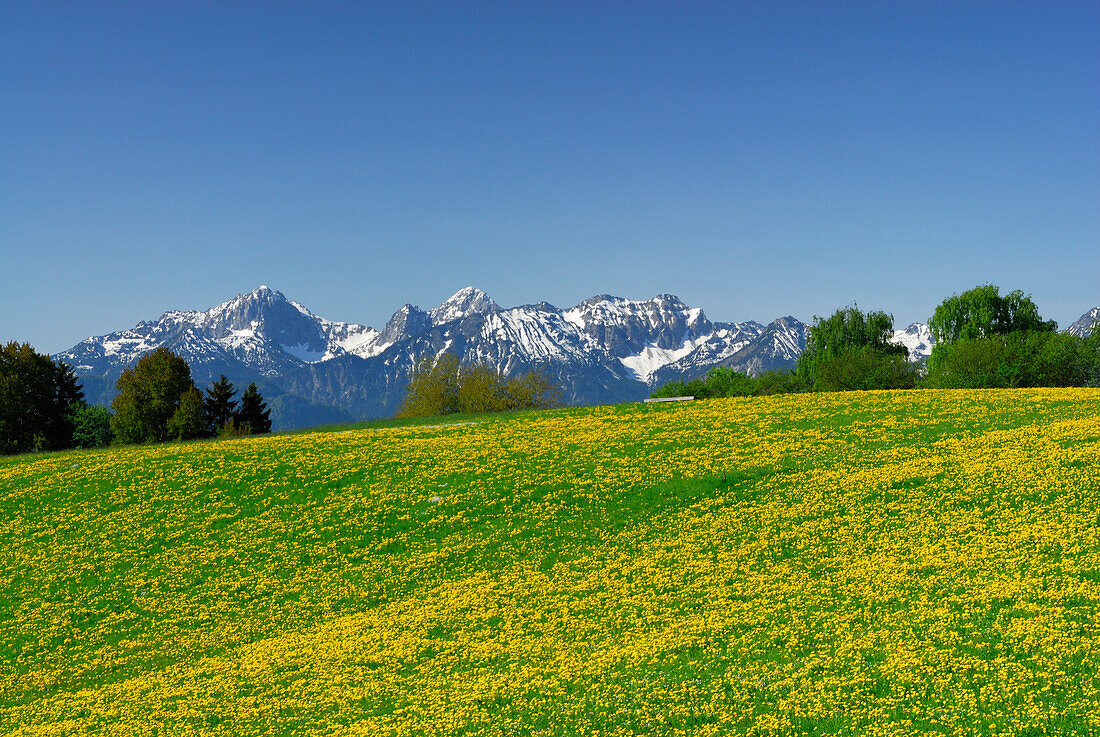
(313, 370)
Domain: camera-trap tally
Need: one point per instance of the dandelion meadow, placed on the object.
(881, 563)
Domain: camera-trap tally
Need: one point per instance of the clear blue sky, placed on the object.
(756, 159)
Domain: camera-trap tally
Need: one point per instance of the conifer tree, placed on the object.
(253, 416)
(219, 405)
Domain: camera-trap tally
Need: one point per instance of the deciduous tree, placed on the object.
(37, 396)
(440, 386)
(91, 426)
(850, 342)
(148, 395)
(982, 311)
(189, 421)
(432, 387)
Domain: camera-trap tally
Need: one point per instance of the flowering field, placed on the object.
(876, 563)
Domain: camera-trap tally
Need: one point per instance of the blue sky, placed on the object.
(756, 159)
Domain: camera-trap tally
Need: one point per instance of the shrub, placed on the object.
(725, 382)
(531, 390)
(695, 388)
(91, 426)
(1019, 359)
(780, 382)
(440, 386)
(721, 381)
(867, 367)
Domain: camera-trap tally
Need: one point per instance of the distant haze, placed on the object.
(760, 159)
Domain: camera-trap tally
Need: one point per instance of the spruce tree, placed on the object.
(219, 404)
(252, 417)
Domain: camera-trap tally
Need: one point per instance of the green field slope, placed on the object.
(857, 564)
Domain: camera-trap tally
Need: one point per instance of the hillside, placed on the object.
(871, 563)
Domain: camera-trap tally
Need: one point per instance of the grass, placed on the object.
(873, 563)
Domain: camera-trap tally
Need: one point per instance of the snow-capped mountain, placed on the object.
(1082, 327)
(917, 338)
(464, 302)
(262, 329)
(602, 350)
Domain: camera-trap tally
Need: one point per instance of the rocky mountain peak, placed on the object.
(267, 312)
(466, 301)
(1082, 327)
(628, 328)
(917, 339)
(407, 322)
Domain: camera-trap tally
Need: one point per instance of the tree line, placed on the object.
(158, 401)
(42, 404)
(983, 339)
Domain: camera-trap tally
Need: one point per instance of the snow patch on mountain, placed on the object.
(127, 343)
(653, 357)
(306, 354)
(917, 339)
(536, 335)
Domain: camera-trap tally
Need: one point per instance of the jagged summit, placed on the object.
(466, 301)
(917, 339)
(1082, 327)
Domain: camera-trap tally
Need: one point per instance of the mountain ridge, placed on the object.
(604, 349)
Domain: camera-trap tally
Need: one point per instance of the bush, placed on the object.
(695, 388)
(532, 390)
(1019, 359)
(780, 382)
(725, 382)
(91, 426)
(863, 368)
(721, 381)
(441, 386)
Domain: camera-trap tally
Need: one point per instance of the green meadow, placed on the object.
(876, 563)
